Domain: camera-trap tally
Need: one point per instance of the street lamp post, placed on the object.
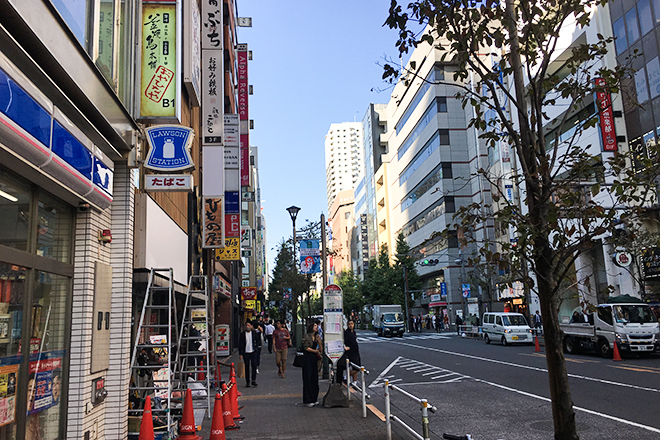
(293, 212)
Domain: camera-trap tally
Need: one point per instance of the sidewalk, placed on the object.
(274, 411)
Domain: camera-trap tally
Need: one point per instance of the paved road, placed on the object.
(496, 392)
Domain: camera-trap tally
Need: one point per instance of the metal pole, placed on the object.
(348, 378)
(324, 256)
(425, 420)
(364, 394)
(388, 420)
(405, 293)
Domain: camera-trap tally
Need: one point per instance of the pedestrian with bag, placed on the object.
(282, 340)
(249, 342)
(310, 373)
(459, 323)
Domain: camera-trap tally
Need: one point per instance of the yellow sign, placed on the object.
(158, 97)
(231, 251)
(250, 304)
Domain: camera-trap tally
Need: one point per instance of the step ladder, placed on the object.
(152, 362)
(193, 363)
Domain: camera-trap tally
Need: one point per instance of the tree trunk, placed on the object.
(562, 403)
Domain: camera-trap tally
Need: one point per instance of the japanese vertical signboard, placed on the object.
(160, 67)
(310, 256)
(607, 131)
(243, 115)
(231, 250)
(333, 322)
(213, 233)
(192, 69)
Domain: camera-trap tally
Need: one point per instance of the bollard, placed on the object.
(388, 420)
(364, 394)
(348, 378)
(425, 420)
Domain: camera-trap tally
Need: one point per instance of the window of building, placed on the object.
(641, 86)
(632, 26)
(656, 7)
(653, 74)
(619, 29)
(645, 16)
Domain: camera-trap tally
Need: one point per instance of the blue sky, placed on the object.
(314, 63)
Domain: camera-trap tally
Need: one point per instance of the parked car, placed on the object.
(507, 328)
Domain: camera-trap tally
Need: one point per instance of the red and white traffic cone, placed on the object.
(187, 427)
(226, 410)
(217, 422)
(233, 396)
(232, 375)
(147, 423)
(616, 356)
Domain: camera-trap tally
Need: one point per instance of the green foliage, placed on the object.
(382, 283)
(352, 289)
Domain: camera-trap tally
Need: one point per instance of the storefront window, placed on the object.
(14, 212)
(12, 289)
(54, 227)
(47, 352)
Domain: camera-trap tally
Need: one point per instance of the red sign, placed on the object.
(232, 225)
(607, 131)
(243, 115)
(248, 293)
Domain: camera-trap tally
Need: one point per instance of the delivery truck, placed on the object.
(632, 325)
(388, 320)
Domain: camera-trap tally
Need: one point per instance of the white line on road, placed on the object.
(545, 399)
(527, 367)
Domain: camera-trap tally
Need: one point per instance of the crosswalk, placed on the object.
(404, 371)
(368, 339)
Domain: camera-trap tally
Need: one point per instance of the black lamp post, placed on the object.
(293, 212)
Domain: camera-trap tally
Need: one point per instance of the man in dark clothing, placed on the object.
(459, 323)
(249, 344)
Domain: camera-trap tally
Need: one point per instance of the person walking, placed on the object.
(459, 323)
(270, 328)
(352, 353)
(249, 342)
(445, 322)
(282, 340)
(310, 372)
(538, 323)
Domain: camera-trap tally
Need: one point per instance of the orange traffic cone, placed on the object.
(233, 396)
(217, 422)
(537, 347)
(232, 375)
(147, 423)
(616, 356)
(227, 418)
(187, 428)
(200, 369)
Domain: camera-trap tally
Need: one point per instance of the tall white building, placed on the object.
(344, 158)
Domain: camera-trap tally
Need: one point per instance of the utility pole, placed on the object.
(405, 292)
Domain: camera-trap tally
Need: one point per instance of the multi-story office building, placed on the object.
(344, 158)
(430, 164)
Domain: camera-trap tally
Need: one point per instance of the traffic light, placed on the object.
(429, 262)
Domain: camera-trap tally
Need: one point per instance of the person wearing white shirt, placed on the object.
(248, 344)
(270, 328)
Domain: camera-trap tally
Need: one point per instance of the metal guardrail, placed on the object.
(425, 413)
(362, 389)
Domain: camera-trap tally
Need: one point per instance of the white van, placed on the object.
(507, 328)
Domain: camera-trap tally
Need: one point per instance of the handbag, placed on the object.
(299, 360)
(240, 370)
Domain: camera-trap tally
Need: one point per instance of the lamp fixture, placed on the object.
(105, 236)
(8, 196)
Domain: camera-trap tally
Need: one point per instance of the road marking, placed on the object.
(578, 408)
(376, 412)
(527, 367)
(416, 369)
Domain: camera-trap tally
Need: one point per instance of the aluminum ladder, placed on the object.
(152, 362)
(195, 344)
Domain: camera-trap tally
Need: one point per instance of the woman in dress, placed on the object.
(352, 352)
(310, 371)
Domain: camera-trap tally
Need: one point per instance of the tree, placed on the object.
(404, 259)
(350, 286)
(383, 284)
(285, 276)
(573, 196)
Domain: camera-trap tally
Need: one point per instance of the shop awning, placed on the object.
(438, 304)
